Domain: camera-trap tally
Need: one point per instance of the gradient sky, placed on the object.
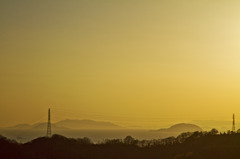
(147, 63)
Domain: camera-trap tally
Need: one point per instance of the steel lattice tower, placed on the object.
(49, 133)
(233, 124)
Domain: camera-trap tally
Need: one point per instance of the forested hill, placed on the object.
(198, 145)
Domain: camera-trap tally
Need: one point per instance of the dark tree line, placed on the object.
(196, 145)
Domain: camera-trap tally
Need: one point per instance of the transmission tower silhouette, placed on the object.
(49, 133)
(233, 124)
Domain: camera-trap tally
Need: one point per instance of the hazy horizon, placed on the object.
(206, 125)
(132, 63)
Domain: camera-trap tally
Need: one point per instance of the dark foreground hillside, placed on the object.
(198, 145)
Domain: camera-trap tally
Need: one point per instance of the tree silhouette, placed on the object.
(196, 145)
(129, 140)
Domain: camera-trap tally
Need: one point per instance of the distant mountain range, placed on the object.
(70, 124)
(179, 128)
(91, 124)
(86, 124)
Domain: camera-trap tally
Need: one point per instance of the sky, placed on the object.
(143, 63)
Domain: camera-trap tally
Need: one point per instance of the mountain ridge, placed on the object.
(181, 127)
(69, 124)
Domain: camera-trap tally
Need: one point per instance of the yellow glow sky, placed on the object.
(133, 62)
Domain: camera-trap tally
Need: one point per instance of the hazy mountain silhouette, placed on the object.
(44, 125)
(21, 126)
(37, 126)
(86, 124)
(69, 124)
(182, 127)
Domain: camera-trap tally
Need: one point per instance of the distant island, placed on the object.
(86, 124)
(181, 127)
(70, 124)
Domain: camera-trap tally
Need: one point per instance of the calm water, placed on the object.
(95, 135)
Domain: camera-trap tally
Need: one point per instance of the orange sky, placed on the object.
(144, 63)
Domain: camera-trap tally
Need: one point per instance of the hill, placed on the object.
(182, 127)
